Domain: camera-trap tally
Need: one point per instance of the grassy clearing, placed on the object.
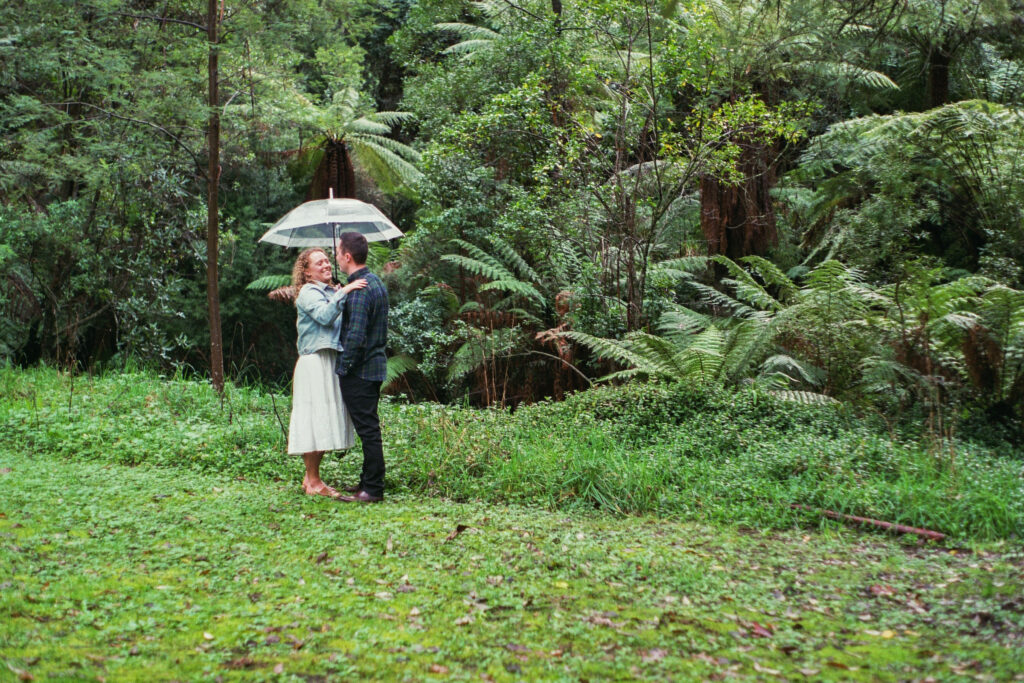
(142, 573)
(680, 452)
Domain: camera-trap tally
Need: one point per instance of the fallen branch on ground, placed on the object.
(889, 526)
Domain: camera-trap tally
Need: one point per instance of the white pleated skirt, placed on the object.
(319, 420)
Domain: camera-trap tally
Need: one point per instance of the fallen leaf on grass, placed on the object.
(653, 655)
(207, 635)
(279, 669)
(6, 470)
(439, 669)
(322, 557)
(20, 673)
(766, 670)
(389, 545)
(241, 663)
(462, 621)
(459, 528)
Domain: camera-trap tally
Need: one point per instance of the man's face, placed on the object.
(345, 263)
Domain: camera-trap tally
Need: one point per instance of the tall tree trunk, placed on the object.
(212, 223)
(335, 172)
(938, 76)
(738, 220)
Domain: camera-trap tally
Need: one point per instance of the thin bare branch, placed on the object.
(162, 20)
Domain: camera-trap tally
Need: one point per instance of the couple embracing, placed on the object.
(342, 335)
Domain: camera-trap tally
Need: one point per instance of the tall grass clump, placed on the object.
(136, 417)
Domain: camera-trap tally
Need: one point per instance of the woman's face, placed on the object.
(319, 267)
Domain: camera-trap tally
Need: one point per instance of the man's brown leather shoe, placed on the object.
(361, 497)
(351, 489)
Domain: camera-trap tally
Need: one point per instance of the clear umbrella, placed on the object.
(319, 222)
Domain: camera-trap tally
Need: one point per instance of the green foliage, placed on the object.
(552, 166)
(697, 452)
(881, 189)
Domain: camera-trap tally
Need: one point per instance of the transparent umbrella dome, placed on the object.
(319, 222)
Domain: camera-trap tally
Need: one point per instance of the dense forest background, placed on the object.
(822, 199)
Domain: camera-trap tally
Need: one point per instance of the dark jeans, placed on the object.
(361, 397)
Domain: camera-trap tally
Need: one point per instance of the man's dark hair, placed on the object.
(354, 244)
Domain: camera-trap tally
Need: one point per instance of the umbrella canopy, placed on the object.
(319, 222)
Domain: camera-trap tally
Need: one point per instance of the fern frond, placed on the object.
(682, 321)
(392, 118)
(608, 348)
(484, 257)
(478, 268)
(467, 48)
(683, 266)
(746, 287)
(858, 75)
(515, 287)
(396, 367)
(750, 340)
(715, 298)
(481, 348)
(793, 368)
(468, 30)
(513, 257)
(269, 282)
(772, 275)
(805, 397)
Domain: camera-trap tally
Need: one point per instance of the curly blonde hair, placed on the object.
(299, 276)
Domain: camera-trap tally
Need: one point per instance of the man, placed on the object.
(362, 363)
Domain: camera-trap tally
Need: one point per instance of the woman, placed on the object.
(319, 420)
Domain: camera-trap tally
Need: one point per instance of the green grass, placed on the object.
(681, 452)
(153, 573)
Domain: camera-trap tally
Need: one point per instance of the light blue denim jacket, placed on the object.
(319, 320)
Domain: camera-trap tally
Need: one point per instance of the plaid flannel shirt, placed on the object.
(364, 330)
